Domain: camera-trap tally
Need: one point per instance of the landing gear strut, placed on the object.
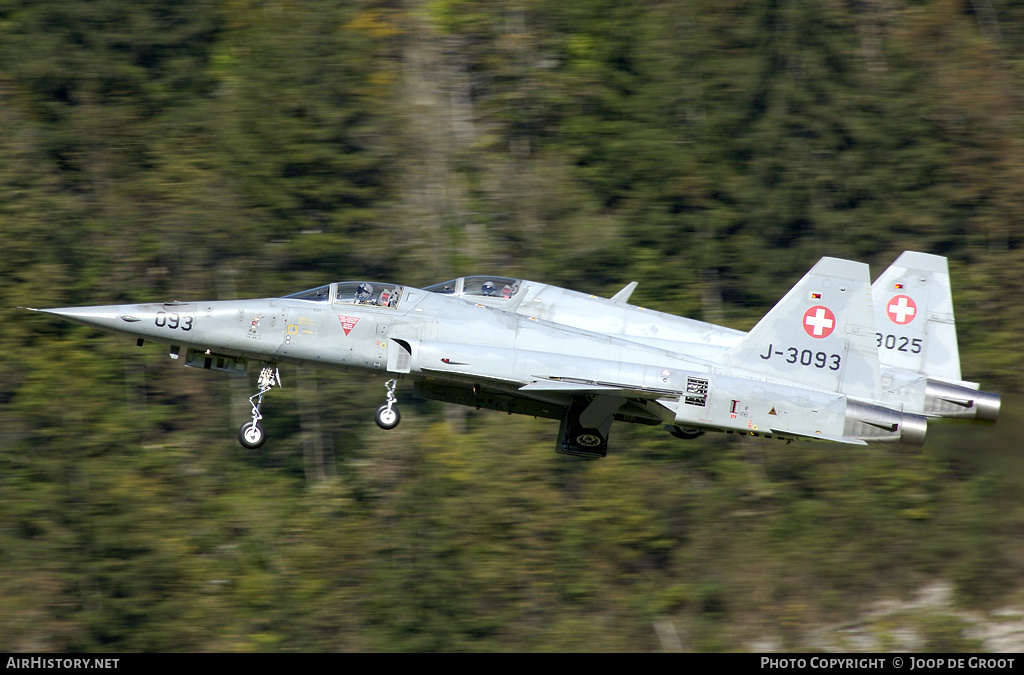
(252, 435)
(387, 416)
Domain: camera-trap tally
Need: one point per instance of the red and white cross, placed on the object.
(901, 309)
(819, 321)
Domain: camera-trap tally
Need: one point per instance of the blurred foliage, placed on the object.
(246, 148)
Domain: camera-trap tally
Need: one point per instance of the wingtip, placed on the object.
(623, 295)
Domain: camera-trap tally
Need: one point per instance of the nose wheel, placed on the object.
(387, 416)
(251, 434)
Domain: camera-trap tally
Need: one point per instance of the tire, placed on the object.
(685, 434)
(387, 418)
(251, 435)
(589, 438)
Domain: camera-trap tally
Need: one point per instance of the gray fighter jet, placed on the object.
(915, 335)
(809, 369)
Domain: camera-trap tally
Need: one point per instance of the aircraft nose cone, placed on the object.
(105, 316)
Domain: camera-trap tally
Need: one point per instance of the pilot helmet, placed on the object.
(489, 288)
(364, 291)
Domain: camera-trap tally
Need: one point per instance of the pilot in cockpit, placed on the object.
(364, 293)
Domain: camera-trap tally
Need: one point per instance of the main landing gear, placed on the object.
(387, 416)
(252, 435)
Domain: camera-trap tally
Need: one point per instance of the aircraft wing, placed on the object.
(785, 433)
(572, 386)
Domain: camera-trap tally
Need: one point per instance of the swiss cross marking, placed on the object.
(901, 309)
(819, 321)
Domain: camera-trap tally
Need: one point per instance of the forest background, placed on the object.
(711, 151)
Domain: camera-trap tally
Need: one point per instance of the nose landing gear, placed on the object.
(251, 434)
(387, 416)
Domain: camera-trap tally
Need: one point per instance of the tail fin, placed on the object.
(914, 317)
(821, 335)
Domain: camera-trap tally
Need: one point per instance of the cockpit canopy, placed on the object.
(375, 293)
(381, 294)
(500, 288)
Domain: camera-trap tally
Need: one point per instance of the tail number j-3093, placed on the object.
(804, 357)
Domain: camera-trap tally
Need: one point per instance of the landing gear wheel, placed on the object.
(251, 435)
(685, 434)
(589, 438)
(387, 417)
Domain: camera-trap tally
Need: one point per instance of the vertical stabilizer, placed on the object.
(914, 317)
(820, 335)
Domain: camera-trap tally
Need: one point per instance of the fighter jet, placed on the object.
(915, 334)
(808, 370)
